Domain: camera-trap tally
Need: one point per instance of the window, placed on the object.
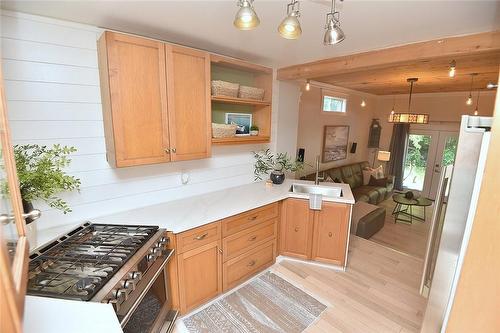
(334, 104)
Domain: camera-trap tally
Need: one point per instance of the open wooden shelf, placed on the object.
(235, 140)
(239, 101)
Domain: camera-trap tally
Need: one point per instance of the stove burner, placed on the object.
(83, 262)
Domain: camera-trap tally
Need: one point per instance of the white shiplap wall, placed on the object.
(52, 86)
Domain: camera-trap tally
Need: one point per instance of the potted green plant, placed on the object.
(41, 175)
(254, 130)
(274, 165)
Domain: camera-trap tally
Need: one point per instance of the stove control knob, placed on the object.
(150, 257)
(113, 302)
(136, 276)
(157, 250)
(128, 285)
(119, 295)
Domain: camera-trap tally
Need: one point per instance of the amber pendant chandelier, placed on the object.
(409, 117)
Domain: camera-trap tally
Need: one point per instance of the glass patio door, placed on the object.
(426, 153)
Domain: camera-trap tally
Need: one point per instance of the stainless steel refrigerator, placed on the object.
(448, 240)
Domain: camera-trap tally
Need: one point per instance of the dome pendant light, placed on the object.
(246, 18)
(290, 26)
(333, 33)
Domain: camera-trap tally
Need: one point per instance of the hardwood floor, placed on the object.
(377, 293)
(410, 239)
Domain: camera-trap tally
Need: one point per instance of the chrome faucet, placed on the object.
(318, 178)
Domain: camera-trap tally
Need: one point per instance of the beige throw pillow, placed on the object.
(377, 173)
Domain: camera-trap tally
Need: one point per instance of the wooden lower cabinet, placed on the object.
(199, 275)
(329, 241)
(243, 267)
(319, 235)
(296, 228)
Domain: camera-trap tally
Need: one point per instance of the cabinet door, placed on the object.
(188, 86)
(133, 81)
(297, 226)
(200, 275)
(330, 233)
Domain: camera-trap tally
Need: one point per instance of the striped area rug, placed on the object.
(266, 304)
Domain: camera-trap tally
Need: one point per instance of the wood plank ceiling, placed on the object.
(384, 72)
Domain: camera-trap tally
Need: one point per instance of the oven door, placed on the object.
(151, 310)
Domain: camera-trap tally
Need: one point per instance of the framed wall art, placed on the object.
(335, 140)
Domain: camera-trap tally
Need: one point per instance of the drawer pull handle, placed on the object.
(251, 239)
(220, 250)
(330, 234)
(252, 218)
(296, 229)
(251, 263)
(200, 237)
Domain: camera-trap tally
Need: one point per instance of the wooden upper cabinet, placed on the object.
(188, 86)
(296, 228)
(330, 233)
(134, 97)
(155, 99)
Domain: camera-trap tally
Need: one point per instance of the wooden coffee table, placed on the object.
(403, 211)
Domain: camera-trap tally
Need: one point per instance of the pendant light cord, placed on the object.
(477, 102)
(409, 99)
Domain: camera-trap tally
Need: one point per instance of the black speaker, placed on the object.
(300, 154)
(353, 147)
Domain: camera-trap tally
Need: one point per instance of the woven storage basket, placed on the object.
(251, 93)
(224, 88)
(223, 130)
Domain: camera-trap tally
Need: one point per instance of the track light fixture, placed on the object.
(333, 33)
(469, 100)
(246, 18)
(290, 26)
(476, 111)
(491, 85)
(308, 85)
(453, 69)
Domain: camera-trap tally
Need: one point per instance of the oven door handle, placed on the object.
(134, 306)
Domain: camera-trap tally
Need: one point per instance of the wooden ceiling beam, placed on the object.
(443, 47)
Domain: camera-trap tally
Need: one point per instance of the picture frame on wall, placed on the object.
(335, 141)
(243, 120)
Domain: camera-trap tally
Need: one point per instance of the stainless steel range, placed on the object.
(117, 264)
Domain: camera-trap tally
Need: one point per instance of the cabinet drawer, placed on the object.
(194, 238)
(241, 268)
(245, 240)
(242, 221)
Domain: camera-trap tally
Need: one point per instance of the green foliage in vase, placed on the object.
(254, 128)
(266, 161)
(41, 174)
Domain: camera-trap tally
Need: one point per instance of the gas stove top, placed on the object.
(78, 264)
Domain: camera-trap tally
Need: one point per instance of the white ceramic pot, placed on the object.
(254, 133)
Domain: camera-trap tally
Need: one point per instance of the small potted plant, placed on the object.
(254, 130)
(41, 175)
(275, 165)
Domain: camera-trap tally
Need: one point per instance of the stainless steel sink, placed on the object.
(326, 191)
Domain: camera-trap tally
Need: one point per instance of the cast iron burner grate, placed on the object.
(79, 265)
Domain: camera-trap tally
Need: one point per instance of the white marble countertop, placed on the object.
(188, 213)
(48, 315)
